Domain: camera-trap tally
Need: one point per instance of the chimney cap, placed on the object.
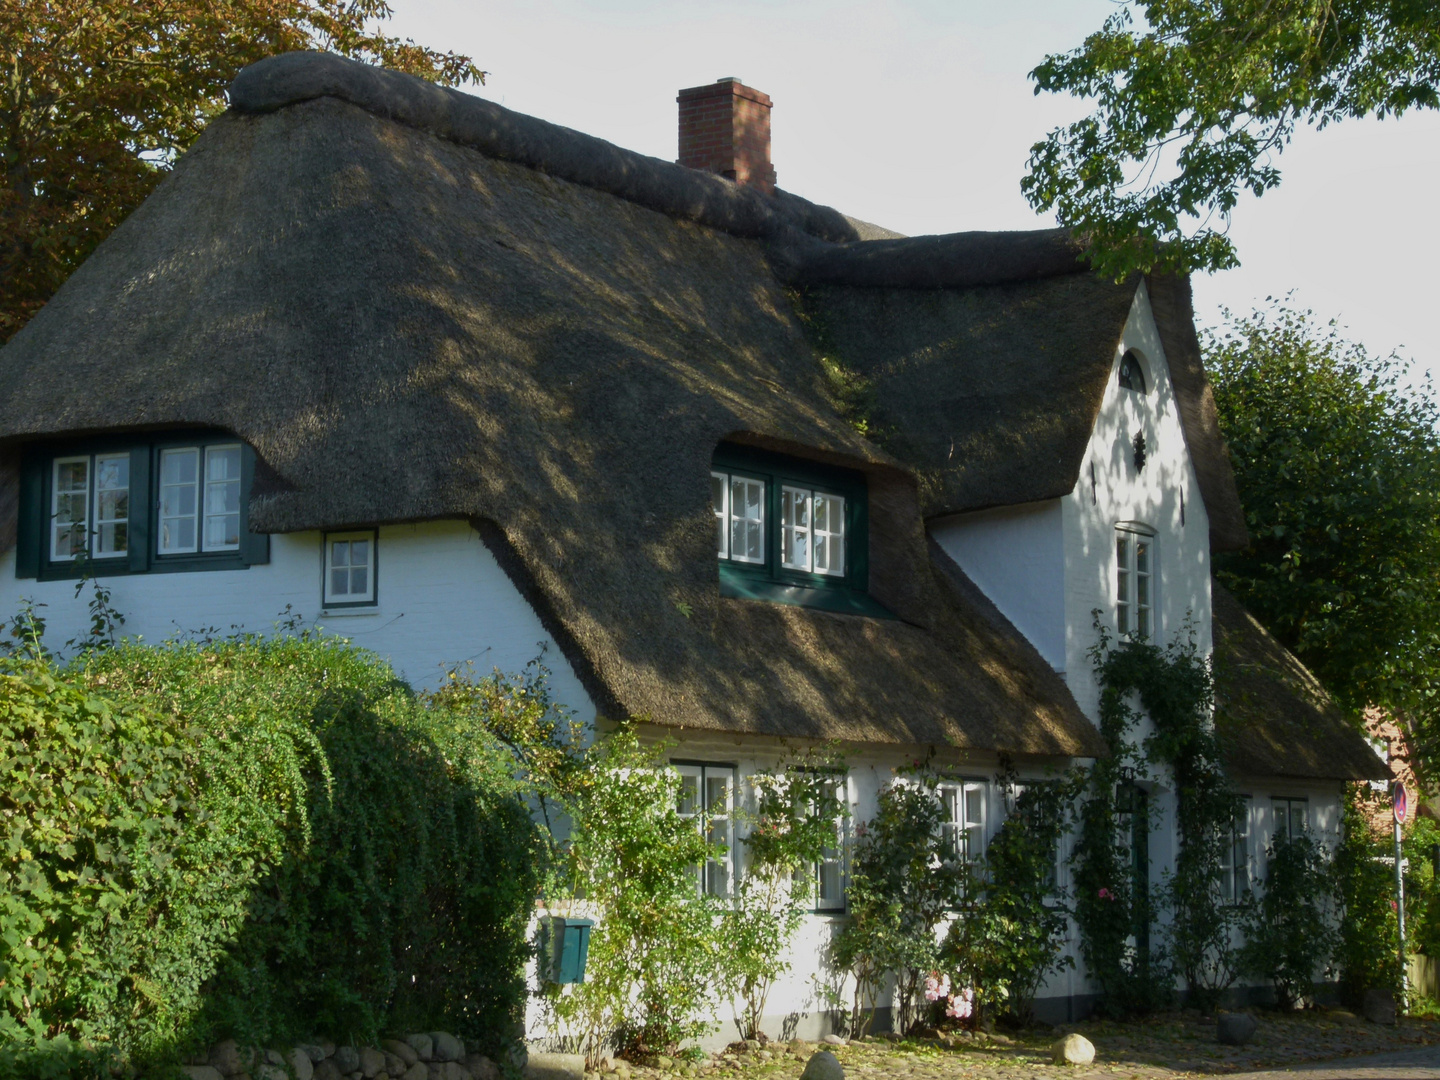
(730, 78)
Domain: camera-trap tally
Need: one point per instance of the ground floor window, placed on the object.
(707, 795)
(349, 569)
(1292, 817)
(1235, 856)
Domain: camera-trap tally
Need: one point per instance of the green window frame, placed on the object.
(111, 505)
(792, 531)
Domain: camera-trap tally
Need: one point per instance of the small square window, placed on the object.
(349, 568)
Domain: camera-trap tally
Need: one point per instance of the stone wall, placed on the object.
(428, 1056)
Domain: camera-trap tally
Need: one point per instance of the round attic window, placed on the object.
(1132, 373)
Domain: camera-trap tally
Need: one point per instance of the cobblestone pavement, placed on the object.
(1309, 1046)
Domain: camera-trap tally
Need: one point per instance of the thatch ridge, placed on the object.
(498, 132)
(1272, 715)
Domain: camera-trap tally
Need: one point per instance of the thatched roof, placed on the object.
(991, 391)
(1273, 716)
(405, 328)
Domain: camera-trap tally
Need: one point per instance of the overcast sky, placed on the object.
(919, 116)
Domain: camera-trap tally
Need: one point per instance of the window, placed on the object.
(1291, 817)
(1132, 372)
(828, 872)
(707, 794)
(1235, 857)
(118, 506)
(791, 531)
(349, 568)
(963, 829)
(1134, 582)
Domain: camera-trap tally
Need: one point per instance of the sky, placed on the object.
(918, 115)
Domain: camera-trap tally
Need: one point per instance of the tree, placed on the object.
(100, 96)
(1338, 468)
(1193, 109)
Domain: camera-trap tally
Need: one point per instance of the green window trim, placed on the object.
(33, 527)
(768, 579)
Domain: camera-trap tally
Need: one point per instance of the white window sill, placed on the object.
(350, 613)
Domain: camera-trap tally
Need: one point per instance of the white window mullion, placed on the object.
(69, 508)
(179, 500)
(795, 550)
(720, 503)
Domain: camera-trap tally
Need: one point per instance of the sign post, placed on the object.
(1399, 802)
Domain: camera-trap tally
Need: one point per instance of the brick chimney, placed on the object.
(725, 129)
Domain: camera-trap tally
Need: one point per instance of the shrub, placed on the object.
(1289, 935)
(905, 880)
(1366, 952)
(1011, 937)
(260, 838)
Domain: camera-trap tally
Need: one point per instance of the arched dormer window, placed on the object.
(1132, 372)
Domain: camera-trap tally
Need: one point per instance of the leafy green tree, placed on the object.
(1194, 104)
(1290, 934)
(1338, 468)
(99, 97)
(1367, 951)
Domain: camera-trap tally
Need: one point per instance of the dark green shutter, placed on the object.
(30, 516)
(254, 547)
(143, 509)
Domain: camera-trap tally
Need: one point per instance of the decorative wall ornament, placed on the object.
(1139, 445)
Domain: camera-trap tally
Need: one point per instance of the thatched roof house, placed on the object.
(414, 305)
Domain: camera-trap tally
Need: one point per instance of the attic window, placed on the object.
(1134, 582)
(790, 530)
(122, 506)
(1132, 374)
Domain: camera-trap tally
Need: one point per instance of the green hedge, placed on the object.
(265, 838)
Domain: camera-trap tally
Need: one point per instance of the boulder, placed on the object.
(823, 1065)
(267, 1071)
(1378, 1006)
(326, 1070)
(314, 1051)
(372, 1062)
(423, 1045)
(404, 1051)
(445, 1047)
(395, 1065)
(833, 1040)
(202, 1072)
(346, 1059)
(418, 1071)
(1072, 1050)
(555, 1067)
(1235, 1029)
(231, 1060)
(482, 1068)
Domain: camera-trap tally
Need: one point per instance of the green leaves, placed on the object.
(1193, 106)
(1338, 467)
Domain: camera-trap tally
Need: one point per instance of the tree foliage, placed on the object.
(99, 97)
(1338, 467)
(1195, 103)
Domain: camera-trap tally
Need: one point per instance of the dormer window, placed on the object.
(790, 530)
(1132, 373)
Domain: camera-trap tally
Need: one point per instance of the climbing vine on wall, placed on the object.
(1172, 686)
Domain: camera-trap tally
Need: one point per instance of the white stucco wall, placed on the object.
(1016, 555)
(443, 602)
(1152, 496)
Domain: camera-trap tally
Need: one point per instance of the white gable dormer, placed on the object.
(1131, 539)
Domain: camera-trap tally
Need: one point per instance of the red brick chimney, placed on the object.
(725, 129)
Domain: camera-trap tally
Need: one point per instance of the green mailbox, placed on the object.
(565, 946)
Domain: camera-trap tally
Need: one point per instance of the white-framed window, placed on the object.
(812, 531)
(1292, 817)
(739, 506)
(1235, 856)
(349, 568)
(199, 499)
(1132, 372)
(963, 827)
(1134, 582)
(828, 873)
(707, 794)
(90, 506)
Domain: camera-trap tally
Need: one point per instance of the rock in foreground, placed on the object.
(1073, 1050)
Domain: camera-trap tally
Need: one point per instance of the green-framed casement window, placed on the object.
(791, 531)
(132, 505)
